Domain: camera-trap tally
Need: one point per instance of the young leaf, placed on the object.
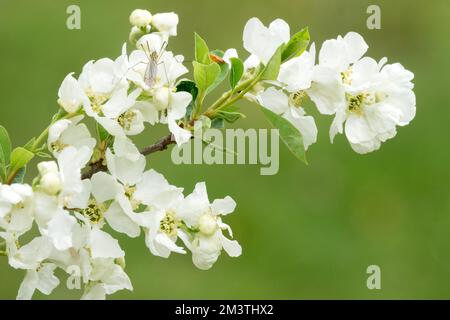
(19, 158)
(20, 175)
(29, 145)
(5, 151)
(288, 134)
(191, 87)
(5, 145)
(102, 133)
(224, 68)
(237, 70)
(201, 50)
(272, 68)
(297, 45)
(230, 114)
(217, 123)
(205, 75)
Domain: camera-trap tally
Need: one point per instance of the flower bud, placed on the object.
(140, 18)
(166, 23)
(51, 183)
(47, 167)
(135, 34)
(207, 224)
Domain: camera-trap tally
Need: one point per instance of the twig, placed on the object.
(160, 145)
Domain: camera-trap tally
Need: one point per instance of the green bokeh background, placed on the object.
(308, 232)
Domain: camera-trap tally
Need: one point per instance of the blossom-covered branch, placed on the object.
(96, 180)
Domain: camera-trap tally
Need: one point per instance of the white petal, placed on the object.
(104, 246)
(60, 230)
(305, 124)
(127, 171)
(223, 206)
(274, 100)
(356, 46)
(232, 247)
(120, 222)
(178, 104)
(180, 135)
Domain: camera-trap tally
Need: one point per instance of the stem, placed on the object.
(227, 99)
(160, 145)
(227, 95)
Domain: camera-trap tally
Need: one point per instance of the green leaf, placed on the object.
(191, 87)
(224, 68)
(289, 134)
(217, 123)
(5, 152)
(43, 154)
(20, 176)
(205, 75)
(19, 158)
(237, 70)
(272, 68)
(201, 50)
(297, 45)
(188, 86)
(230, 114)
(5, 144)
(102, 133)
(29, 145)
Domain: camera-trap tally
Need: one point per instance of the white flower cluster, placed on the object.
(371, 98)
(73, 212)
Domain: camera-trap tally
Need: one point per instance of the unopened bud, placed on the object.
(140, 18)
(207, 224)
(51, 183)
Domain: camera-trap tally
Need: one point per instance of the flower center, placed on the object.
(347, 76)
(94, 211)
(356, 103)
(169, 224)
(126, 119)
(96, 101)
(58, 146)
(129, 193)
(296, 98)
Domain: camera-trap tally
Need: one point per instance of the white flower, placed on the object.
(335, 58)
(377, 99)
(69, 132)
(295, 78)
(207, 244)
(28, 256)
(118, 115)
(262, 41)
(71, 95)
(162, 200)
(166, 23)
(16, 208)
(140, 18)
(166, 105)
(290, 107)
(42, 279)
(370, 99)
(105, 278)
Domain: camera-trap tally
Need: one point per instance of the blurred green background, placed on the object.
(308, 232)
